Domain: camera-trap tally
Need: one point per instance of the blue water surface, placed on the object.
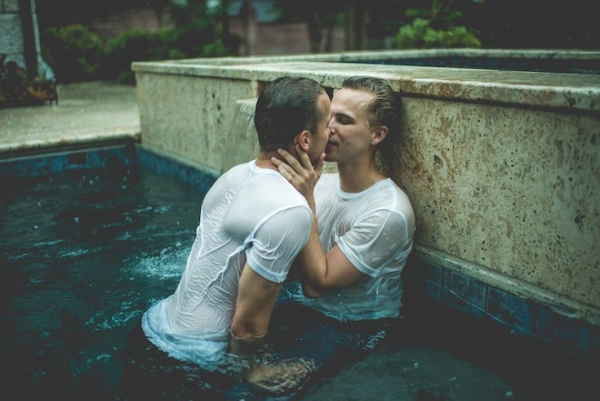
(84, 252)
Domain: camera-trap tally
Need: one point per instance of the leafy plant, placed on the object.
(137, 45)
(74, 52)
(197, 31)
(435, 27)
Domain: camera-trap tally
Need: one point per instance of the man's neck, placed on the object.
(264, 160)
(356, 177)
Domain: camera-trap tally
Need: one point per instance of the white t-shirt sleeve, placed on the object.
(277, 241)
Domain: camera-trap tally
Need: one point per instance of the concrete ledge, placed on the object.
(522, 88)
(89, 114)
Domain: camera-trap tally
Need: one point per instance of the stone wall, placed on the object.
(502, 167)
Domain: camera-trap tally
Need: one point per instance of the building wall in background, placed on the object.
(276, 38)
(145, 19)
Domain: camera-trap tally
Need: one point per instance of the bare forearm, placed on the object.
(312, 261)
(255, 301)
(322, 273)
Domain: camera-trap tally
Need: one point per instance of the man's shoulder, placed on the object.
(390, 185)
(391, 198)
(268, 190)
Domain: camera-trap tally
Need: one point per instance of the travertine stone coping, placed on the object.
(573, 91)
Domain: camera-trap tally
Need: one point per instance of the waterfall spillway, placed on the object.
(242, 144)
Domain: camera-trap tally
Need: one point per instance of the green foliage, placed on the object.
(435, 28)
(137, 45)
(420, 35)
(215, 49)
(76, 54)
(197, 33)
(73, 52)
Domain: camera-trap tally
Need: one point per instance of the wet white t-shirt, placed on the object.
(374, 229)
(250, 214)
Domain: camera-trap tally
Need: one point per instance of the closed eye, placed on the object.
(344, 120)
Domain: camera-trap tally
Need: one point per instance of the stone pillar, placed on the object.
(19, 37)
(11, 32)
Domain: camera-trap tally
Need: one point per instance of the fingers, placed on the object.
(276, 161)
(286, 171)
(298, 171)
(301, 174)
(292, 161)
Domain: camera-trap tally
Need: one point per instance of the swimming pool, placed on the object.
(90, 240)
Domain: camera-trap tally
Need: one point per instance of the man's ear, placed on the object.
(380, 135)
(303, 139)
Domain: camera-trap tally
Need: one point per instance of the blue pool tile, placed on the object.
(201, 181)
(424, 275)
(573, 334)
(424, 269)
(170, 168)
(109, 158)
(416, 287)
(512, 310)
(77, 160)
(44, 165)
(57, 163)
(464, 293)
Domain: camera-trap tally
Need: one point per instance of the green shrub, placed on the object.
(215, 49)
(73, 52)
(192, 40)
(435, 27)
(420, 35)
(135, 45)
(76, 54)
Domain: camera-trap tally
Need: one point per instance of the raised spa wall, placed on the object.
(502, 168)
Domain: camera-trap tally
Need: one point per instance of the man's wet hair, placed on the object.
(286, 107)
(384, 108)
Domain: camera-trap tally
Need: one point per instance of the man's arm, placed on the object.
(320, 273)
(255, 301)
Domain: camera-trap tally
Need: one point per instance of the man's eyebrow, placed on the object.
(342, 114)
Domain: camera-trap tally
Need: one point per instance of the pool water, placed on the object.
(84, 253)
